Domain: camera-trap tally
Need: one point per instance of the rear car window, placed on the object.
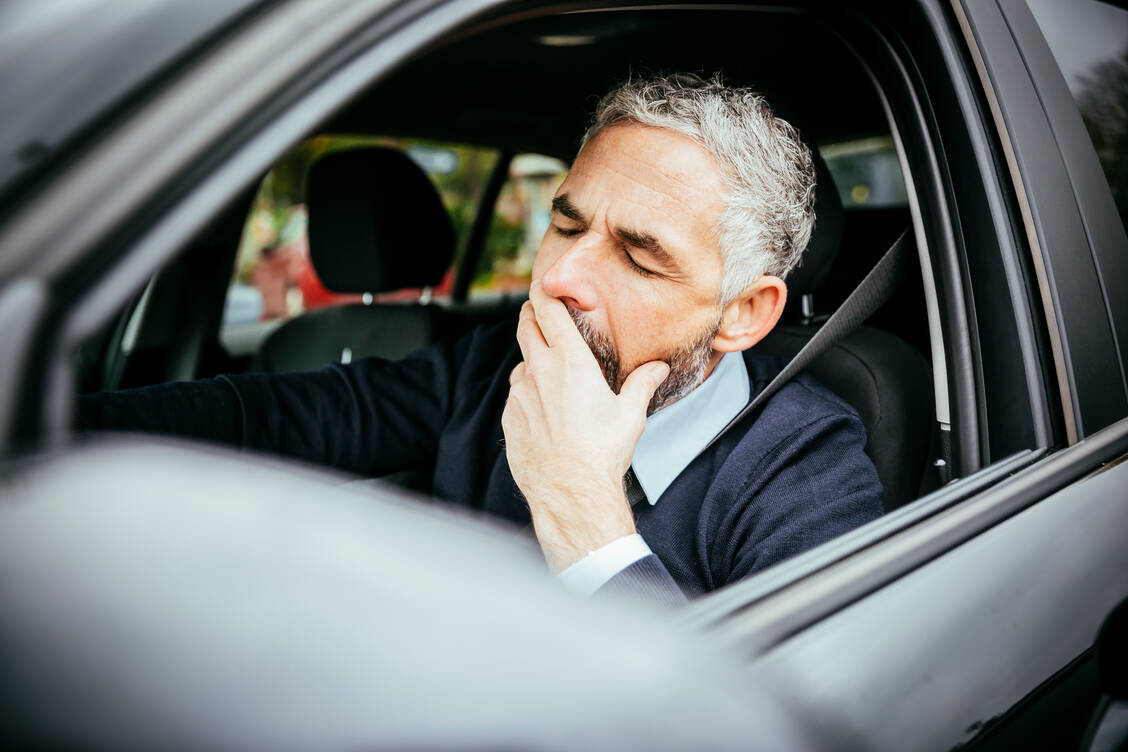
(274, 279)
(866, 172)
(521, 216)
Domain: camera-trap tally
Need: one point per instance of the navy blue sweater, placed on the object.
(780, 482)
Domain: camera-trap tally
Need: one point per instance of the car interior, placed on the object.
(402, 273)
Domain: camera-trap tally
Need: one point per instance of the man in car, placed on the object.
(600, 420)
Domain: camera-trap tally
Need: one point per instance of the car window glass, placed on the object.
(521, 216)
(1089, 40)
(273, 277)
(866, 172)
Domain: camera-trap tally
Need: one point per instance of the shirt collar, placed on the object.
(677, 433)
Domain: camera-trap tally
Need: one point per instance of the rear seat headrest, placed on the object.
(376, 223)
(819, 256)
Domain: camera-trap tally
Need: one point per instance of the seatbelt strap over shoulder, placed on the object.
(877, 287)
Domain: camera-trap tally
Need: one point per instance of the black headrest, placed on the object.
(827, 235)
(376, 223)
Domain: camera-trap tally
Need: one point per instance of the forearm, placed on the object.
(207, 410)
(371, 418)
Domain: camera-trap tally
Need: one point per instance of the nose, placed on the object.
(572, 276)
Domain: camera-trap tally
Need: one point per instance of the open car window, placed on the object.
(917, 443)
(272, 280)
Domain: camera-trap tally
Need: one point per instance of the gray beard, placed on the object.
(687, 363)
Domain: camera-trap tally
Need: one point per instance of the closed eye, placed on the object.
(636, 266)
(571, 232)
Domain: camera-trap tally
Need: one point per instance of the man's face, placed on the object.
(632, 252)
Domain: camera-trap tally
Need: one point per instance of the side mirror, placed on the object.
(1112, 653)
(1108, 728)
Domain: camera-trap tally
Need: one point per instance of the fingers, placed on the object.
(552, 317)
(517, 373)
(529, 336)
(642, 383)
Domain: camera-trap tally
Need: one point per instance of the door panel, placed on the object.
(927, 661)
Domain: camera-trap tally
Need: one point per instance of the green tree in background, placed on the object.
(1103, 101)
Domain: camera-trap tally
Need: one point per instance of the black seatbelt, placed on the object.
(868, 296)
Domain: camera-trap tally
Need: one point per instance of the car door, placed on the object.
(974, 625)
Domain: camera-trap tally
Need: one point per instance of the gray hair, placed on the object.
(770, 207)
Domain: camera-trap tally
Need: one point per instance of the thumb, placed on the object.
(640, 385)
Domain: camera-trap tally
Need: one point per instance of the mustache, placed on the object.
(687, 362)
(601, 347)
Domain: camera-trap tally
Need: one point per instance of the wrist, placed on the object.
(571, 526)
(560, 553)
(594, 570)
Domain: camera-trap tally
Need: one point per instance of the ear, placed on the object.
(748, 319)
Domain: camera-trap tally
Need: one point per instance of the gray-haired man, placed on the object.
(686, 206)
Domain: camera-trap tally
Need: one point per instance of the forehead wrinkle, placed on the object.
(677, 182)
(679, 178)
(675, 178)
(698, 150)
(666, 198)
(690, 206)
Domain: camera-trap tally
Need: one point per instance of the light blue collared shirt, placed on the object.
(673, 437)
(677, 433)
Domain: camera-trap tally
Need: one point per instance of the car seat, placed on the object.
(886, 380)
(376, 224)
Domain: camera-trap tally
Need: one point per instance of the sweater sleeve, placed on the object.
(371, 417)
(815, 485)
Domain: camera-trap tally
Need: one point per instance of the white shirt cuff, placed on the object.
(591, 572)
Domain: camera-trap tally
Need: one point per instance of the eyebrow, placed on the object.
(644, 241)
(564, 205)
